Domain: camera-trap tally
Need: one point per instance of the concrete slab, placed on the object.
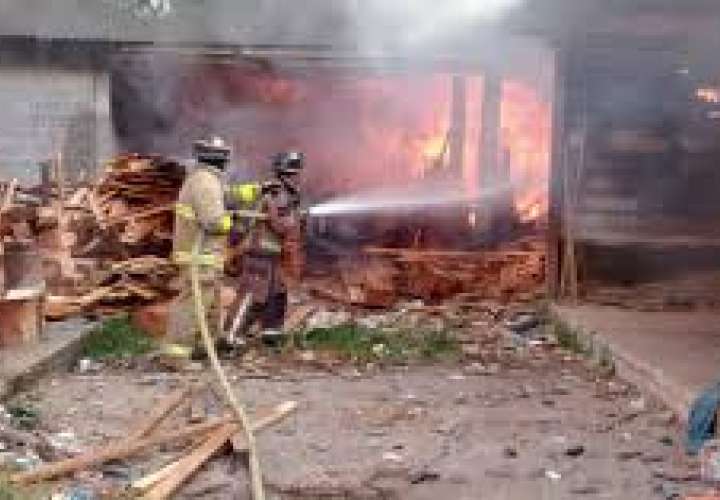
(673, 355)
(58, 349)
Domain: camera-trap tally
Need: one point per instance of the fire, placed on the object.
(434, 148)
(364, 132)
(526, 129)
(708, 95)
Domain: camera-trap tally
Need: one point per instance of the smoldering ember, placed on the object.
(364, 250)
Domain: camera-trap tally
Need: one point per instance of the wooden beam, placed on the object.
(555, 189)
(180, 467)
(115, 451)
(186, 467)
(167, 406)
(458, 124)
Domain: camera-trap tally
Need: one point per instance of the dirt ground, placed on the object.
(549, 427)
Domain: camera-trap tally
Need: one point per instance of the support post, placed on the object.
(458, 124)
(557, 169)
(489, 144)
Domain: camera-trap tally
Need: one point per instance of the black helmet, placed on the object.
(288, 163)
(213, 151)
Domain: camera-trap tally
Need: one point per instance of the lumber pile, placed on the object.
(386, 275)
(139, 280)
(123, 225)
(133, 204)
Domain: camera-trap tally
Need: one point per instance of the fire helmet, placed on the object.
(213, 151)
(288, 163)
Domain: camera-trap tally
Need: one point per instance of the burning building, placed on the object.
(371, 111)
(502, 111)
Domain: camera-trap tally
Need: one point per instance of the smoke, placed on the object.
(417, 24)
(363, 121)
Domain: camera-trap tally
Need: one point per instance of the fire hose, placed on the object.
(230, 397)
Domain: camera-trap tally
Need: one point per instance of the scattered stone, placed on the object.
(478, 369)
(500, 473)
(307, 356)
(117, 471)
(65, 442)
(319, 446)
(560, 390)
(461, 399)
(585, 490)
(638, 405)
(553, 475)
(390, 456)
(522, 323)
(471, 350)
(628, 455)
(424, 476)
(652, 459)
(75, 493)
(668, 491)
(88, 366)
(662, 419)
(575, 451)
(667, 441)
(328, 319)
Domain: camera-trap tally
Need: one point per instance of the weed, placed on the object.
(567, 338)
(25, 417)
(366, 344)
(11, 492)
(116, 337)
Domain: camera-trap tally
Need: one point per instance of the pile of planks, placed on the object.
(123, 225)
(386, 275)
(138, 280)
(133, 203)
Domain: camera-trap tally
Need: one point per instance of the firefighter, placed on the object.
(200, 212)
(266, 247)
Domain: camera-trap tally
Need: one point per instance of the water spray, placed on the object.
(407, 200)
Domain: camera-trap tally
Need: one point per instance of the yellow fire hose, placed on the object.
(200, 314)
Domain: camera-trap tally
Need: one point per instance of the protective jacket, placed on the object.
(200, 209)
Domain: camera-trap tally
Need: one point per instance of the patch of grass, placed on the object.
(567, 338)
(363, 344)
(12, 492)
(24, 417)
(116, 337)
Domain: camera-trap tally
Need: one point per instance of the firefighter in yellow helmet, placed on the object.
(200, 212)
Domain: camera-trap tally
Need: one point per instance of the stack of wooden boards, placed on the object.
(117, 237)
(134, 201)
(385, 275)
(208, 438)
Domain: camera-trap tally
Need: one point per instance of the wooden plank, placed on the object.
(168, 405)
(239, 445)
(115, 451)
(297, 317)
(186, 467)
(21, 322)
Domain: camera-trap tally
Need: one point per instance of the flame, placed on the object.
(526, 132)
(363, 132)
(434, 148)
(708, 95)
